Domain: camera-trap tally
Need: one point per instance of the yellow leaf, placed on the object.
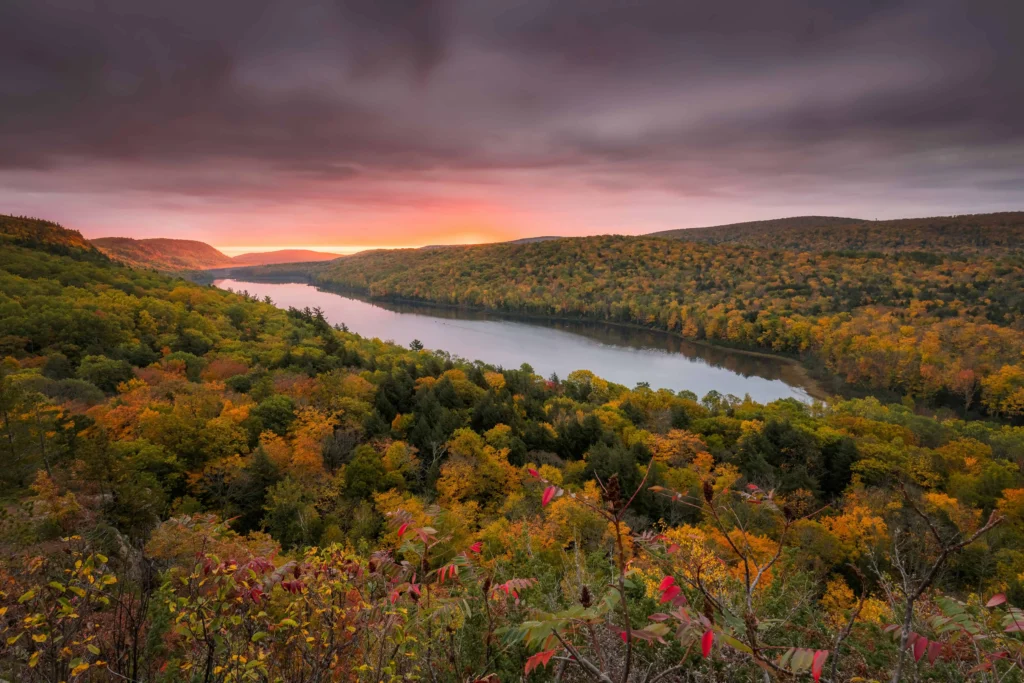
(80, 669)
(33, 660)
(39, 637)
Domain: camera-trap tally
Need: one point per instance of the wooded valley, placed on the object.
(944, 327)
(200, 486)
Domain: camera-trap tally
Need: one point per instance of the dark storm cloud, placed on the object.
(693, 97)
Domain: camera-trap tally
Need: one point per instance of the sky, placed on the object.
(356, 123)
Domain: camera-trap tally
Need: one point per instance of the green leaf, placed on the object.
(258, 636)
(734, 643)
(802, 659)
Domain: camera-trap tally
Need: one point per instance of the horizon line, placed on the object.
(341, 250)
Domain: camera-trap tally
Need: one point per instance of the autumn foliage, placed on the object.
(229, 491)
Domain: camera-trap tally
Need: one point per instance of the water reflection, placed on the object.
(620, 354)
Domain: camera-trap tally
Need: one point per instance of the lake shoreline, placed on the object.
(803, 376)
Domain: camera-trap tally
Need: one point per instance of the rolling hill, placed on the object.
(36, 233)
(162, 254)
(173, 255)
(281, 256)
(975, 233)
(880, 313)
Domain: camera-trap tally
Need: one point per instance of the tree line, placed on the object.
(943, 329)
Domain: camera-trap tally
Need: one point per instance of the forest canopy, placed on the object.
(201, 486)
(944, 327)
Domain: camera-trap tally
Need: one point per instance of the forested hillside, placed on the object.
(174, 255)
(162, 254)
(945, 329)
(990, 233)
(33, 232)
(200, 486)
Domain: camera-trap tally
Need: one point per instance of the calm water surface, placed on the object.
(619, 354)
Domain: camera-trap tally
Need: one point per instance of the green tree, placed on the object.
(106, 373)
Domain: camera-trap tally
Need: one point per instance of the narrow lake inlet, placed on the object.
(617, 353)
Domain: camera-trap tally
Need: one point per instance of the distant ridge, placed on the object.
(282, 256)
(178, 255)
(986, 232)
(521, 240)
(531, 240)
(731, 232)
(162, 253)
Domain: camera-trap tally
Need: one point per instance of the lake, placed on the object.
(621, 354)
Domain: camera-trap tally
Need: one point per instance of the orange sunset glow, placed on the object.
(469, 122)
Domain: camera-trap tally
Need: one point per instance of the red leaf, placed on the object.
(537, 660)
(394, 597)
(984, 666)
(665, 583)
(401, 529)
(414, 588)
(934, 648)
(920, 645)
(670, 594)
(622, 634)
(476, 547)
(996, 600)
(751, 487)
(818, 663)
(534, 473)
(549, 493)
(672, 548)
(705, 643)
